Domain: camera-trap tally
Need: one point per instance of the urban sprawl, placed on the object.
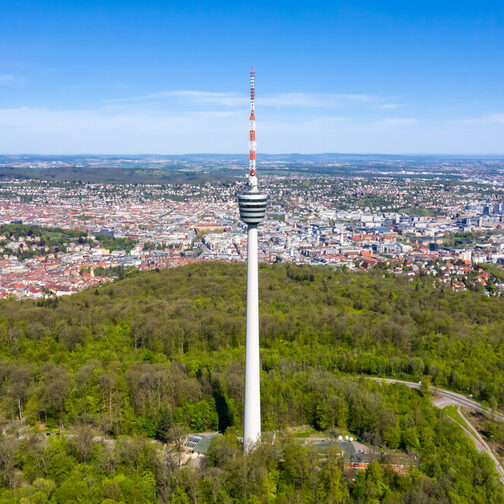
(57, 238)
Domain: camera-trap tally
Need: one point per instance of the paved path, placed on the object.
(445, 398)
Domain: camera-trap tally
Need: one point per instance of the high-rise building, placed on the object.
(252, 209)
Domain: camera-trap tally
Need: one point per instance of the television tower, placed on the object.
(252, 209)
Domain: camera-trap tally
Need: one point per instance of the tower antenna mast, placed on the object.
(252, 134)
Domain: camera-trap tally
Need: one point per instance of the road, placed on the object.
(450, 397)
(444, 398)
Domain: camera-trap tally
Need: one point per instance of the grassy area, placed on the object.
(305, 432)
(416, 211)
(453, 413)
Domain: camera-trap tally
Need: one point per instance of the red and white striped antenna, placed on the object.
(252, 134)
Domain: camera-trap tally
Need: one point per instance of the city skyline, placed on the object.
(131, 79)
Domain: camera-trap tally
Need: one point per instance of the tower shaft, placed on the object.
(252, 412)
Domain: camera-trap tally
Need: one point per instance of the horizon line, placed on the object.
(411, 154)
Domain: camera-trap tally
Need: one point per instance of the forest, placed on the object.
(92, 385)
(56, 239)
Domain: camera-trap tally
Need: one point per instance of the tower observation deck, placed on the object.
(252, 207)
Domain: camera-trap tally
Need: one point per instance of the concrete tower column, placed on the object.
(252, 413)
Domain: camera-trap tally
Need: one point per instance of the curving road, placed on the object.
(446, 398)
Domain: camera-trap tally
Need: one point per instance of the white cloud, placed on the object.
(129, 130)
(6, 79)
(498, 118)
(317, 100)
(217, 98)
(387, 106)
(491, 119)
(233, 99)
(397, 121)
(42, 130)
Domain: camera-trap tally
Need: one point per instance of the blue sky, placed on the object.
(172, 76)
